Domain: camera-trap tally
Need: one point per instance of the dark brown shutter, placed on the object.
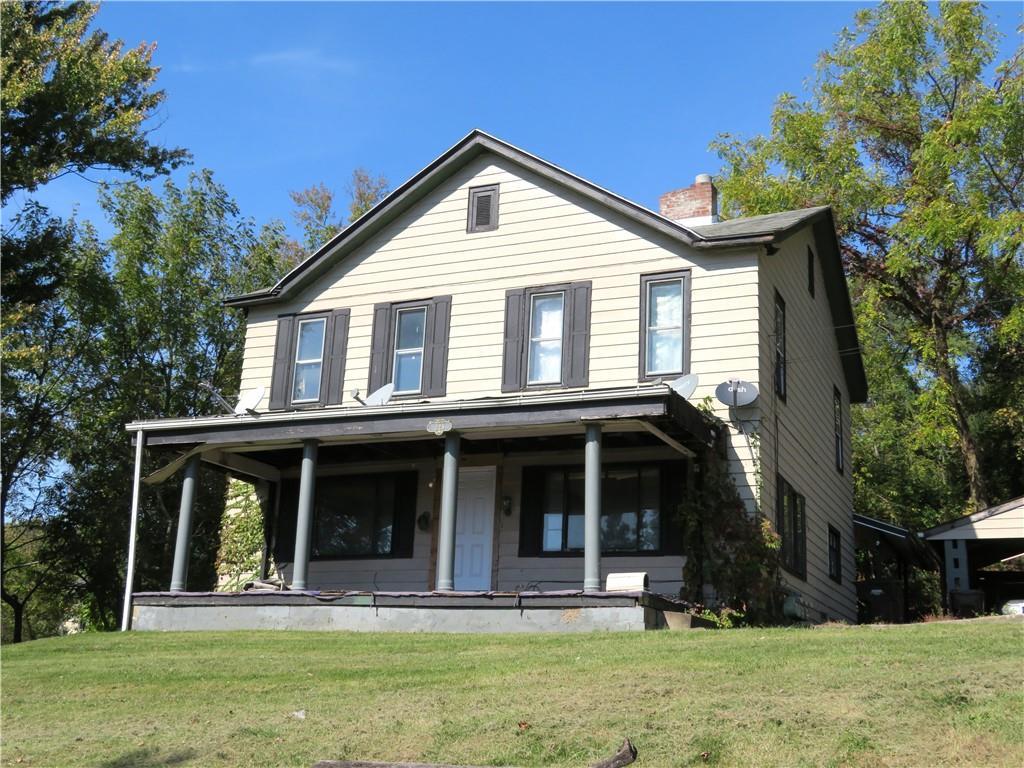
(482, 214)
(403, 533)
(380, 348)
(287, 513)
(674, 476)
(512, 363)
(576, 359)
(337, 325)
(531, 502)
(282, 364)
(435, 356)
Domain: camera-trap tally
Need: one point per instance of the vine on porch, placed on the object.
(241, 536)
(729, 548)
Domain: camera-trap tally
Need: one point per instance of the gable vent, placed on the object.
(483, 209)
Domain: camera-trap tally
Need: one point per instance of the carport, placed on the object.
(972, 543)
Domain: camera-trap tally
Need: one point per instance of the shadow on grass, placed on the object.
(149, 758)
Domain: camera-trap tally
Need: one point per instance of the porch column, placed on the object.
(592, 510)
(179, 575)
(449, 503)
(304, 521)
(129, 579)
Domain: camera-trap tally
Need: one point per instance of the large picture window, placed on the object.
(354, 516)
(637, 509)
(664, 331)
(791, 524)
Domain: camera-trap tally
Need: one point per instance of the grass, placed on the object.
(920, 695)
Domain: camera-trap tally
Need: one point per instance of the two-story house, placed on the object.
(468, 404)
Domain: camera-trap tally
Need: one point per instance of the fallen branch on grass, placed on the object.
(625, 756)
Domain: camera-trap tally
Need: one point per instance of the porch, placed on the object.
(502, 514)
(493, 612)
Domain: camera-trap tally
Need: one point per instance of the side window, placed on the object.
(547, 337)
(810, 271)
(835, 555)
(409, 347)
(780, 346)
(664, 324)
(309, 360)
(791, 524)
(837, 419)
(483, 209)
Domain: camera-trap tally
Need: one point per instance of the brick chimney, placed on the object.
(696, 204)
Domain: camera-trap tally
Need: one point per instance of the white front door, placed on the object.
(474, 529)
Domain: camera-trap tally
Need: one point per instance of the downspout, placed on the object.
(129, 580)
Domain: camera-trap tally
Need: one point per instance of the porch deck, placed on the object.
(497, 612)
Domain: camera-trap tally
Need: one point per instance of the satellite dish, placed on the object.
(247, 403)
(684, 386)
(736, 393)
(381, 396)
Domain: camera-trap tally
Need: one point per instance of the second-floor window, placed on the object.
(409, 347)
(780, 346)
(309, 360)
(547, 337)
(410, 329)
(837, 419)
(547, 313)
(664, 312)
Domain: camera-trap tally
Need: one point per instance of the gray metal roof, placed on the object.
(772, 224)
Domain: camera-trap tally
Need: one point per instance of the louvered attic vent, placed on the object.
(483, 209)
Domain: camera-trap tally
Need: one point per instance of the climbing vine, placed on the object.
(728, 547)
(241, 537)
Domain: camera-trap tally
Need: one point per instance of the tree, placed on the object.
(73, 100)
(920, 151)
(160, 330)
(365, 192)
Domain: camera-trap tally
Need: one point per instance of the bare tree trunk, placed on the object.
(18, 611)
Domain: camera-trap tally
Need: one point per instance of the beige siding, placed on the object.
(546, 235)
(1005, 525)
(804, 441)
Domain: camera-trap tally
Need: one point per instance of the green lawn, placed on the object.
(921, 695)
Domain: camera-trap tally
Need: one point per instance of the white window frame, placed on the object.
(682, 321)
(421, 349)
(319, 360)
(531, 339)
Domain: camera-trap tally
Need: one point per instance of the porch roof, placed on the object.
(654, 408)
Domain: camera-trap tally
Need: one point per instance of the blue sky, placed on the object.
(279, 96)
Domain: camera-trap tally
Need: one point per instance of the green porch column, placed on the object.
(449, 502)
(179, 574)
(592, 510)
(304, 521)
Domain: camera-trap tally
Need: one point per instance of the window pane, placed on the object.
(407, 371)
(619, 497)
(546, 322)
(665, 305)
(553, 532)
(410, 328)
(664, 351)
(545, 361)
(575, 537)
(311, 340)
(650, 510)
(306, 384)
